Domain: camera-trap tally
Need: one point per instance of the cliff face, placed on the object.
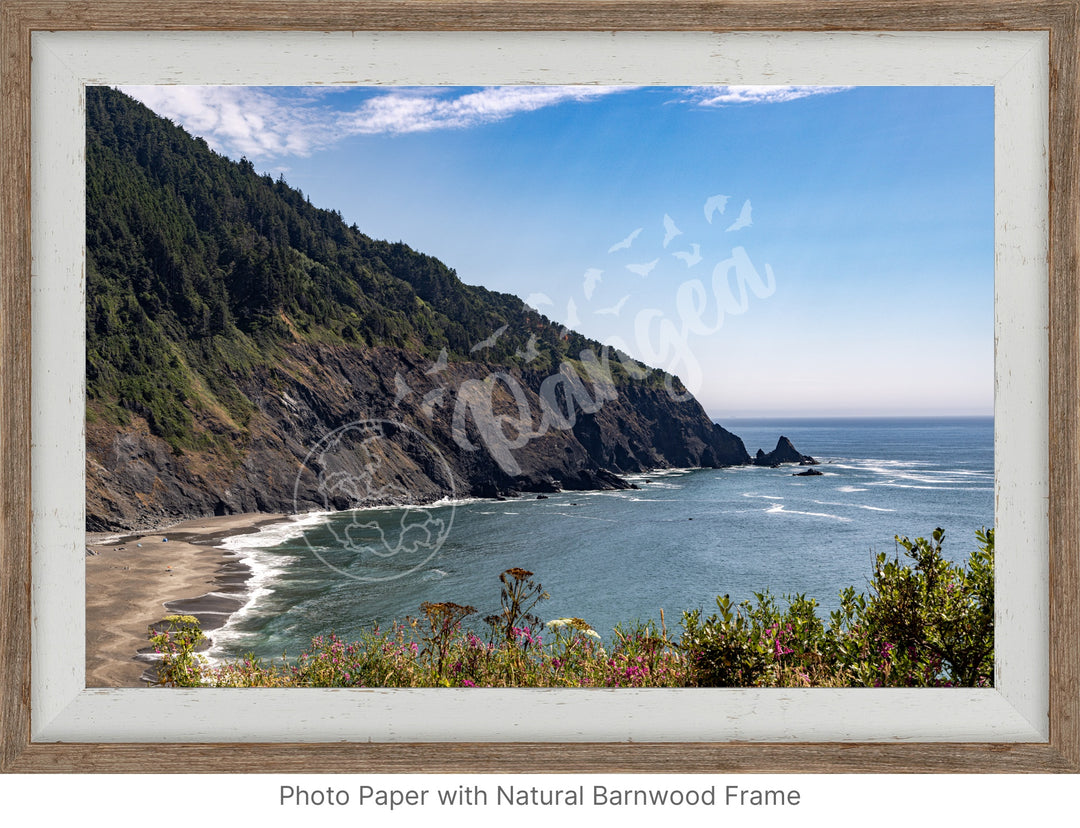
(338, 427)
(249, 352)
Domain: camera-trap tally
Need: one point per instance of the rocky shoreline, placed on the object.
(358, 442)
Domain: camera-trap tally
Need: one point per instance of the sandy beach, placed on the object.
(135, 579)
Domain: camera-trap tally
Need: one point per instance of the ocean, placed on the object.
(675, 543)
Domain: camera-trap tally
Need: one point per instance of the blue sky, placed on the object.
(867, 258)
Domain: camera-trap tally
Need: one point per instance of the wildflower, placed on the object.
(575, 623)
(525, 634)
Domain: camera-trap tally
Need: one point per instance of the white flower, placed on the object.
(576, 623)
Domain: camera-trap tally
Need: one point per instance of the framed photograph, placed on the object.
(1016, 63)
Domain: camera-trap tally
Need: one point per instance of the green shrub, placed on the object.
(924, 622)
(175, 643)
(930, 623)
(927, 623)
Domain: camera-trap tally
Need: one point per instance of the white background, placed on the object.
(881, 801)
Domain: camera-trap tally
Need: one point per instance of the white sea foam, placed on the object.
(894, 485)
(251, 550)
(853, 506)
(915, 471)
(941, 477)
(655, 473)
(441, 503)
(849, 489)
(276, 533)
(583, 517)
(916, 474)
(763, 496)
(778, 509)
(452, 501)
(660, 484)
(876, 463)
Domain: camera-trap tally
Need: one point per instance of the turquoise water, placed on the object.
(681, 539)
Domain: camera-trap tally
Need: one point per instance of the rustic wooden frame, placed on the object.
(1060, 18)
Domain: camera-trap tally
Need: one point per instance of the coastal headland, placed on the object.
(250, 355)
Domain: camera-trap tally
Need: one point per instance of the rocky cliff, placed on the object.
(248, 352)
(339, 427)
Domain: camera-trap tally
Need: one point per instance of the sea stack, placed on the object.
(784, 452)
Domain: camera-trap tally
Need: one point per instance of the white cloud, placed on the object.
(402, 112)
(268, 123)
(734, 95)
(239, 120)
(264, 124)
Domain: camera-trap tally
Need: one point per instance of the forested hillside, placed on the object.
(231, 324)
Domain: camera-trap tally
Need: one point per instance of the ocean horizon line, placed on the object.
(834, 418)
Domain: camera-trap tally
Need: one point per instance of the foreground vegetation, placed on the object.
(924, 622)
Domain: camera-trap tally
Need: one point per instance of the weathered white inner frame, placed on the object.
(1016, 64)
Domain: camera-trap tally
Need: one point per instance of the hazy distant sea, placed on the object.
(676, 543)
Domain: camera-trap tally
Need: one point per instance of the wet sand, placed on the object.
(135, 579)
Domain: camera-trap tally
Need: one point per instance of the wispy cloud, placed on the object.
(274, 123)
(238, 120)
(403, 112)
(264, 123)
(735, 95)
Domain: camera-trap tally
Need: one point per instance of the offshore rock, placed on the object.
(784, 452)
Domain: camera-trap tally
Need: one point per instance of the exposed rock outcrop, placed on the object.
(784, 452)
(330, 432)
